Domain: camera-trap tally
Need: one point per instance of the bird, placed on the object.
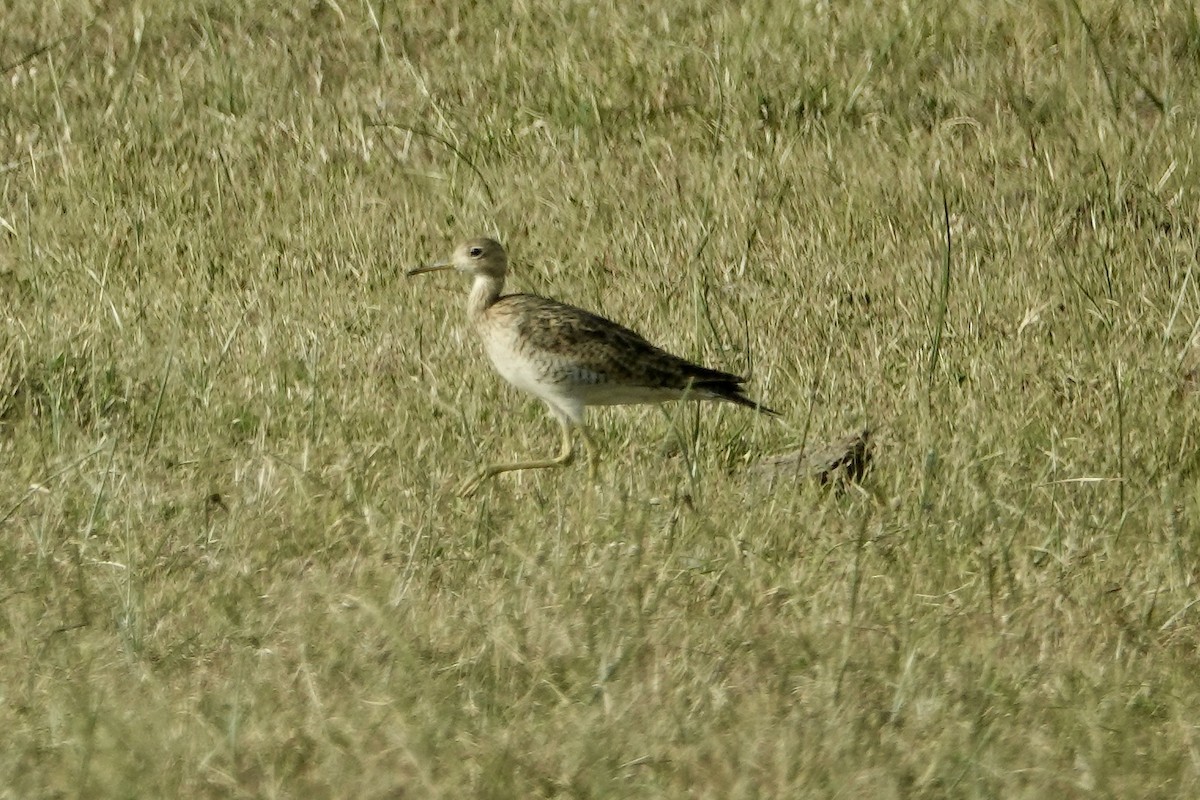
(570, 358)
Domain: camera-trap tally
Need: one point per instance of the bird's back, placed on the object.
(542, 346)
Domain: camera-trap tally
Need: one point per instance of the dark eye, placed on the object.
(475, 252)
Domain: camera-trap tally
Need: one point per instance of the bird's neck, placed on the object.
(484, 292)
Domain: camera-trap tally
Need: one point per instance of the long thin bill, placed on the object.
(429, 268)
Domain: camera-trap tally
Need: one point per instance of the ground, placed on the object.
(231, 559)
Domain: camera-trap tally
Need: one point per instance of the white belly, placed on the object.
(540, 377)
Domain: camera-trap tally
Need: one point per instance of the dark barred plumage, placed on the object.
(621, 360)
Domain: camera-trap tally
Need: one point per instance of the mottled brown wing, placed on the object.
(599, 345)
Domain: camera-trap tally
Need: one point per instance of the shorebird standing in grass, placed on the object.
(571, 358)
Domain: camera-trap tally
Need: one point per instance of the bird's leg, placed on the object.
(563, 459)
(590, 446)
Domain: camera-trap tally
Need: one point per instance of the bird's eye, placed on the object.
(475, 252)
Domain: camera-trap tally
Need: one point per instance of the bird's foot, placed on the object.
(471, 485)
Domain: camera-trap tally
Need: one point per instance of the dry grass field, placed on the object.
(231, 560)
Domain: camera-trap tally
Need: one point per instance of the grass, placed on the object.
(231, 563)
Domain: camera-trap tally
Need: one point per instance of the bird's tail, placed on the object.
(730, 389)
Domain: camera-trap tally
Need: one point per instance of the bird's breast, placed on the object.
(525, 367)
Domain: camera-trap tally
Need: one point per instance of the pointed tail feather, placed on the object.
(731, 390)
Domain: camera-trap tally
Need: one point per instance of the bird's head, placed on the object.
(475, 257)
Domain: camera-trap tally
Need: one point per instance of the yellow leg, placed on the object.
(590, 446)
(565, 456)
